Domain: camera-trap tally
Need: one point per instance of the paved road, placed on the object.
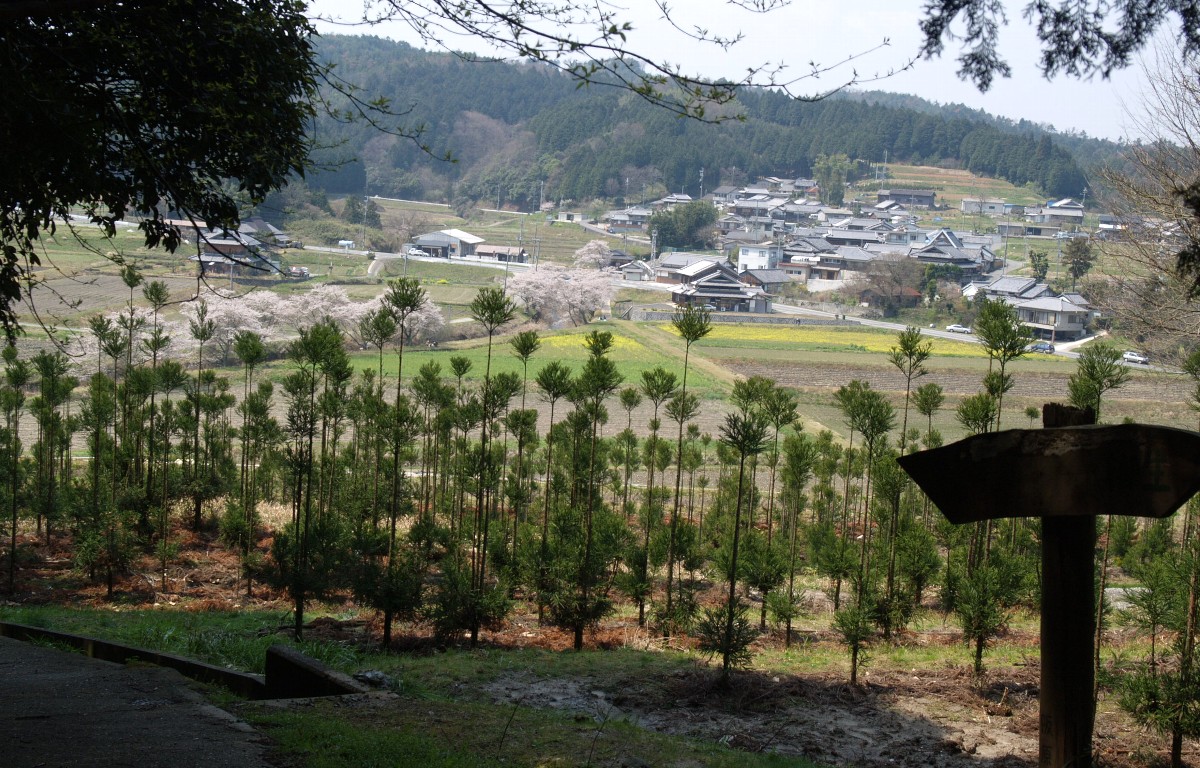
(61, 709)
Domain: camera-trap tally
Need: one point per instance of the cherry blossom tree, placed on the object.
(595, 255)
(553, 294)
(321, 302)
(424, 324)
(228, 314)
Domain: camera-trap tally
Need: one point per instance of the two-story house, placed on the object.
(765, 255)
(720, 290)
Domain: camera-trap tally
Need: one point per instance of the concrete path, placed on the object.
(61, 709)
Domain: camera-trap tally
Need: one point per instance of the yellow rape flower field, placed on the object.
(821, 338)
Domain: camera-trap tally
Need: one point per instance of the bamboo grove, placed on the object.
(439, 497)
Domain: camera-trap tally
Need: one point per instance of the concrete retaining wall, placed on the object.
(290, 674)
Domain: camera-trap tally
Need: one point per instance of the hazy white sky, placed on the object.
(826, 32)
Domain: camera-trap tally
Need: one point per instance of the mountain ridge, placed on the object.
(525, 133)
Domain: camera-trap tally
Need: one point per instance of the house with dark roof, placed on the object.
(264, 232)
(912, 198)
(944, 247)
(1010, 288)
(721, 291)
(862, 224)
(770, 280)
(796, 213)
(510, 253)
(855, 237)
(667, 268)
(726, 193)
(631, 219)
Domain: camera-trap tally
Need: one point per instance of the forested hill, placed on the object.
(1090, 152)
(520, 131)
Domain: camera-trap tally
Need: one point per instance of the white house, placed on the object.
(759, 256)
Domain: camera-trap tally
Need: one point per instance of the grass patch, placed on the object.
(329, 740)
(231, 639)
(410, 732)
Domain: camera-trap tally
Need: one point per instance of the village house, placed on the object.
(829, 214)
(509, 253)
(1054, 317)
(670, 201)
(796, 213)
(638, 271)
(912, 198)
(1050, 316)
(759, 205)
(225, 252)
(448, 243)
(770, 280)
(726, 193)
(1009, 288)
(766, 255)
(631, 219)
(1027, 229)
(668, 266)
(1066, 214)
(855, 237)
(719, 290)
(987, 206)
(264, 232)
(1110, 226)
(841, 263)
(946, 248)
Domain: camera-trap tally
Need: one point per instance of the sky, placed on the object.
(826, 32)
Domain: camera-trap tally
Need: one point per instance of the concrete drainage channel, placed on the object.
(289, 673)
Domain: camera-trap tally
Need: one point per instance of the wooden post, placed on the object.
(1066, 475)
(1067, 710)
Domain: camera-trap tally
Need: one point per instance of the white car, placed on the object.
(416, 252)
(1135, 357)
(956, 328)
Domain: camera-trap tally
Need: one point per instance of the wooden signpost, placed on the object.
(1066, 475)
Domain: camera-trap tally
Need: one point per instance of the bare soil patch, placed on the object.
(937, 714)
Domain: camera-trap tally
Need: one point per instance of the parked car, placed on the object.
(956, 328)
(1135, 357)
(1045, 347)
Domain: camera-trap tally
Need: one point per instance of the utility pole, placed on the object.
(366, 204)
